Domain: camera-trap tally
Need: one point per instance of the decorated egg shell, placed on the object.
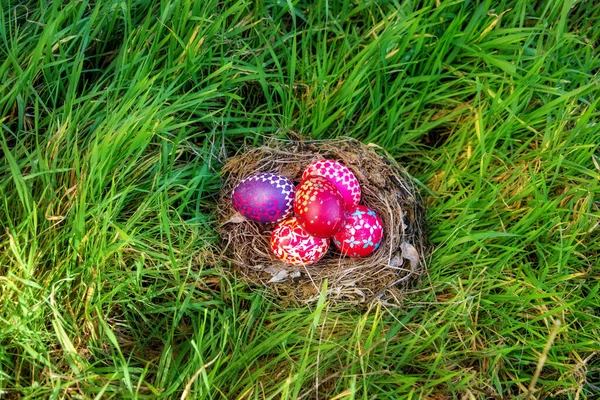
(361, 234)
(319, 207)
(291, 243)
(336, 172)
(264, 197)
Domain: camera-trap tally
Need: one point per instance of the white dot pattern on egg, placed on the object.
(344, 180)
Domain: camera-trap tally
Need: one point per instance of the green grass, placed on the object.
(115, 117)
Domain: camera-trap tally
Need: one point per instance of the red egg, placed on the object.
(319, 207)
(291, 243)
(361, 234)
(340, 175)
(264, 197)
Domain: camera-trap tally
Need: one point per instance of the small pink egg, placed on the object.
(291, 243)
(336, 172)
(361, 234)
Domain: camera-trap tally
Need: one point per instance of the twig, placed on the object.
(543, 358)
(188, 387)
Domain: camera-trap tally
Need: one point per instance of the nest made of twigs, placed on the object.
(386, 188)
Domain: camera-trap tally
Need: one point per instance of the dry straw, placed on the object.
(386, 187)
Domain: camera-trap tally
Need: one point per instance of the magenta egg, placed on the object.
(319, 207)
(264, 197)
(337, 173)
(361, 234)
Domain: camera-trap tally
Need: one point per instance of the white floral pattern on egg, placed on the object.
(362, 232)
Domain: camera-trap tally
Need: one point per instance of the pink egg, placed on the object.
(319, 207)
(336, 172)
(361, 234)
(291, 243)
(264, 197)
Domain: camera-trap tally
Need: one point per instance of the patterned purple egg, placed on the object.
(264, 197)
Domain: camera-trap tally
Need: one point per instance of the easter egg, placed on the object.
(291, 243)
(336, 172)
(264, 197)
(319, 207)
(361, 234)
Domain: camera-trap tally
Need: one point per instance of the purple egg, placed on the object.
(264, 197)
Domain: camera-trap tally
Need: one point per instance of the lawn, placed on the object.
(116, 117)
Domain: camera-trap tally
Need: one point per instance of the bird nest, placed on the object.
(386, 187)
